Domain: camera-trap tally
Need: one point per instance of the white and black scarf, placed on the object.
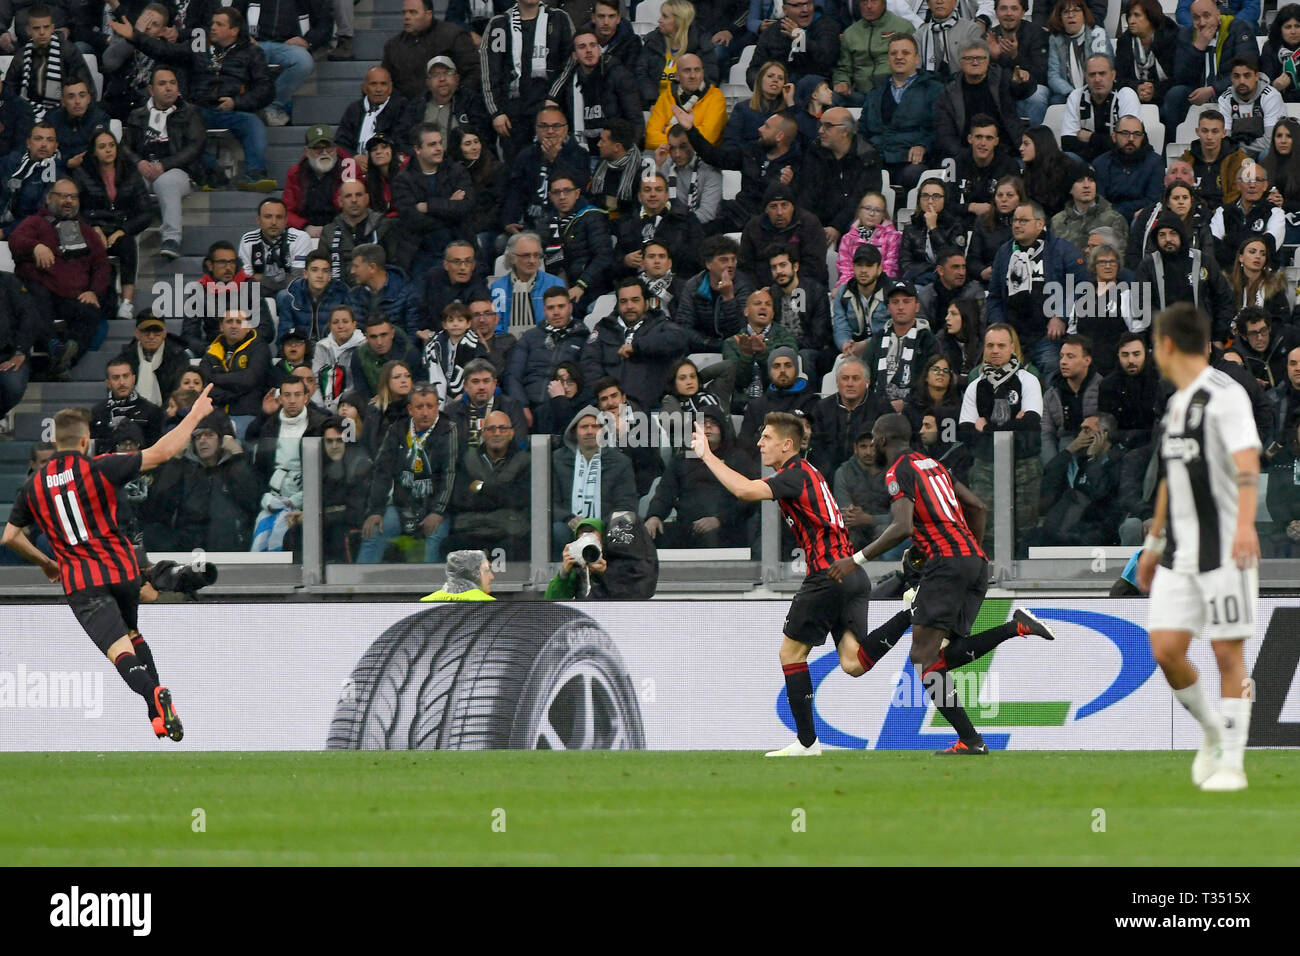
(50, 95)
(629, 170)
(370, 118)
(1145, 65)
(895, 363)
(521, 299)
(537, 56)
(1078, 56)
(585, 495)
(553, 254)
(997, 377)
(661, 291)
(1025, 267)
(934, 44)
(693, 190)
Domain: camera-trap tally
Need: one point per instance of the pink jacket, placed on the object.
(886, 238)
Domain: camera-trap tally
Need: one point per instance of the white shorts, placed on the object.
(1219, 604)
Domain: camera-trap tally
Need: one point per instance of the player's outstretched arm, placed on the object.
(973, 508)
(746, 489)
(21, 545)
(170, 445)
(899, 530)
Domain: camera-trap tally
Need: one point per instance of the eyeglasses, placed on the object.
(483, 315)
(460, 262)
(1258, 333)
(224, 262)
(941, 371)
(334, 441)
(824, 125)
(563, 191)
(497, 428)
(1128, 133)
(876, 209)
(1023, 221)
(932, 196)
(551, 127)
(975, 58)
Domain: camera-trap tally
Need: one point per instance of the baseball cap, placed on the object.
(147, 320)
(595, 524)
(866, 253)
(295, 334)
(900, 287)
(379, 139)
(440, 61)
(320, 135)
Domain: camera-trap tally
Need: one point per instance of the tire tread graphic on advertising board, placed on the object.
(459, 677)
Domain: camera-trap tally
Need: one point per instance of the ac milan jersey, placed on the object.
(939, 526)
(810, 510)
(74, 501)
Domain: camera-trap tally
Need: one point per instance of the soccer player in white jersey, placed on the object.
(1207, 578)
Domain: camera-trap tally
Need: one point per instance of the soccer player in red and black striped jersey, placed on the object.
(931, 508)
(822, 606)
(73, 498)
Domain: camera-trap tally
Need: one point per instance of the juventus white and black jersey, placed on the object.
(1205, 424)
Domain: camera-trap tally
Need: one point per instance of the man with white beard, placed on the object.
(311, 187)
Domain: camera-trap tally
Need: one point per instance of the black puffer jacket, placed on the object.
(677, 227)
(656, 344)
(580, 253)
(411, 188)
(831, 188)
(211, 508)
(757, 172)
(609, 92)
(949, 230)
(130, 212)
(708, 319)
(533, 361)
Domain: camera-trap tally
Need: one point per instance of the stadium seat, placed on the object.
(499, 266)
(1170, 7)
(6, 258)
(704, 359)
(1261, 40)
(643, 505)
(736, 421)
(1186, 131)
(4, 64)
(647, 11)
(733, 236)
(1174, 150)
(737, 75)
(828, 384)
(1293, 110)
(1053, 118)
(887, 190)
(730, 183)
(602, 307)
(115, 127)
(832, 265)
(93, 66)
(643, 29)
(1150, 114)
(856, 113)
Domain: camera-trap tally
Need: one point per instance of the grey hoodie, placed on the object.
(571, 432)
(331, 363)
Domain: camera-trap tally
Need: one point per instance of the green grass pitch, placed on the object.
(705, 808)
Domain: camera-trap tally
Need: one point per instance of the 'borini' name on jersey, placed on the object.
(1205, 424)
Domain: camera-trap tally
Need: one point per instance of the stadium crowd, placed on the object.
(880, 221)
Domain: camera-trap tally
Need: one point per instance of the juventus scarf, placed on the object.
(1025, 268)
(50, 93)
(997, 377)
(537, 63)
(661, 295)
(629, 168)
(27, 168)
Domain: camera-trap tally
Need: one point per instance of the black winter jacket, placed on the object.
(130, 212)
(186, 136)
(657, 342)
(410, 187)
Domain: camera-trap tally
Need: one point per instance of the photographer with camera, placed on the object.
(621, 564)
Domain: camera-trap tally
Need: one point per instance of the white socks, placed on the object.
(1236, 727)
(1198, 705)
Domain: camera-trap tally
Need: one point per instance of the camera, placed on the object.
(586, 549)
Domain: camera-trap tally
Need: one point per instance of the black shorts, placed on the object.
(107, 613)
(823, 607)
(950, 594)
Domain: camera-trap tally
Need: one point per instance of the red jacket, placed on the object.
(295, 191)
(66, 278)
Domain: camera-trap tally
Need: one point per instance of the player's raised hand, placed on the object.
(51, 569)
(1245, 546)
(700, 442)
(202, 406)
